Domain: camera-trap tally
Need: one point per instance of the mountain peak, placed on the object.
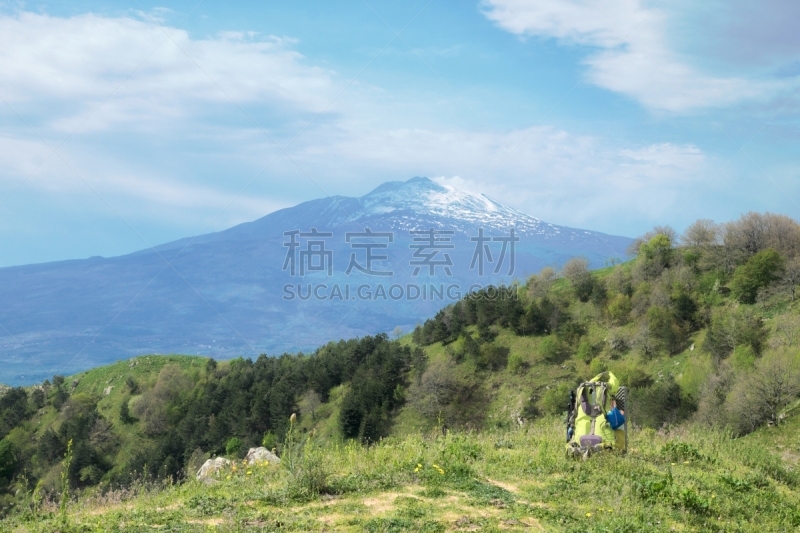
(420, 198)
(416, 184)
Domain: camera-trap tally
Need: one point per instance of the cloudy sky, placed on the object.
(128, 124)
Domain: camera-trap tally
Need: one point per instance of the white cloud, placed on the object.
(153, 153)
(632, 54)
(84, 58)
(577, 180)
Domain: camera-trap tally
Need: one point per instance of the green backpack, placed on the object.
(588, 429)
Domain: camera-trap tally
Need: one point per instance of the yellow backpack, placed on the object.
(588, 429)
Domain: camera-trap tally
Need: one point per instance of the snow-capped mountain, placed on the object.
(233, 292)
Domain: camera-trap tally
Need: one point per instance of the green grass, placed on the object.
(517, 480)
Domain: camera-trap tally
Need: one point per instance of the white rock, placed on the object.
(261, 455)
(211, 467)
(107, 390)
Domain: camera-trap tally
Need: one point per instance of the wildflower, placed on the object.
(228, 476)
(673, 464)
(249, 472)
(588, 515)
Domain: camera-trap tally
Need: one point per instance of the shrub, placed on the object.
(550, 349)
(619, 309)
(8, 460)
(492, 357)
(270, 440)
(234, 447)
(446, 391)
(555, 401)
(585, 351)
(743, 357)
(658, 404)
(731, 328)
(517, 363)
(758, 272)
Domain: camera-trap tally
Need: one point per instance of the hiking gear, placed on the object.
(571, 416)
(615, 418)
(588, 423)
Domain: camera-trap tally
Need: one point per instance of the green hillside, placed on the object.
(457, 425)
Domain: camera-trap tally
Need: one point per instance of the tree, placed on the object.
(758, 272)
(124, 413)
(576, 271)
(619, 309)
(790, 276)
(131, 384)
(635, 247)
(656, 254)
(787, 330)
(539, 284)
(701, 234)
(309, 403)
(776, 382)
(8, 460)
(755, 232)
(732, 328)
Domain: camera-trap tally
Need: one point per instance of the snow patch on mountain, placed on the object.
(420, 203)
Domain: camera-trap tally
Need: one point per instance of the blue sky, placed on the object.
(128, 124)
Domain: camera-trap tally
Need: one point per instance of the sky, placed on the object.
(128, 124)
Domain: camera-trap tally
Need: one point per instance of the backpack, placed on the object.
(593, 424)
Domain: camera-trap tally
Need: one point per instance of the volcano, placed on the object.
(330, 268)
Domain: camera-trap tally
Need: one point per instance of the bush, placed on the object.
(8, 460)
(555, 401)
(619, 309)
(234, 448)
(550, 349)
(660, 403)
(492, 357)
(731, 328)
(447, 392)
(743, 358)
(517, 363)
(270, 440)
(585, 351)
(759, 271)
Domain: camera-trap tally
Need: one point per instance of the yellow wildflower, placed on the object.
(588, 515)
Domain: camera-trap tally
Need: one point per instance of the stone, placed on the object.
(261, 455)
(211, 467)
(108, 390)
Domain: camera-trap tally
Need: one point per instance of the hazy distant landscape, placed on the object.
(222, 294)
